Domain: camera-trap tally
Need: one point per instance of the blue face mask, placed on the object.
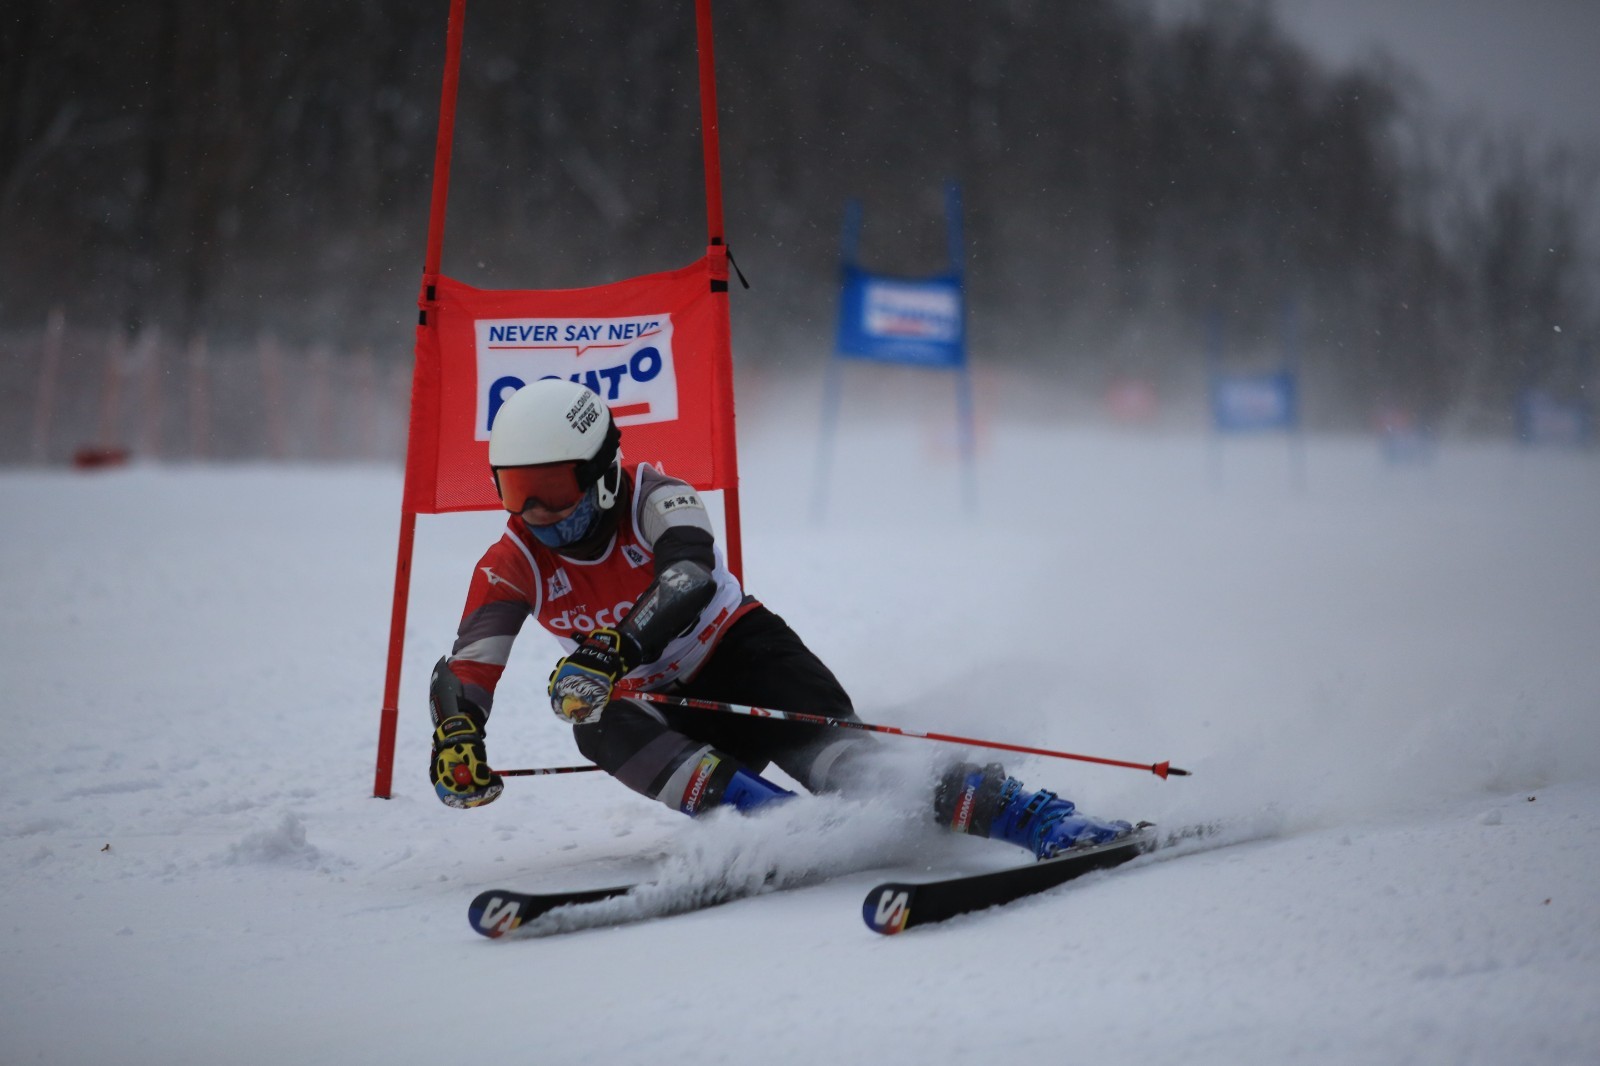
(572, 528)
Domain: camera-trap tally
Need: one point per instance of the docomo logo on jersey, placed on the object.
(627, 361)
(604, 618)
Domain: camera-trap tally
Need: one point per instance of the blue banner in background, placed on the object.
(1262, 401)
(914, 321)
(1242, 403)
(893, 319)
(902, 320)
(1543, 419)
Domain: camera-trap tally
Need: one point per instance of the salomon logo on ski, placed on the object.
(500, 911)
(893, 908)
(498, 917)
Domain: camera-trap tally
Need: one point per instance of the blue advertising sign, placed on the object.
(886, 318)
(1545, 419)
(1247, 402)
(1258, 402)
(902, 320)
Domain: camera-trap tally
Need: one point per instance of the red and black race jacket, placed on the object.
(518, 577)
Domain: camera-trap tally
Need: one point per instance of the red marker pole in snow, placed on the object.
(389, 714)
(1162, 770)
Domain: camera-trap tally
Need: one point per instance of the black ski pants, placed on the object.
(759, 662)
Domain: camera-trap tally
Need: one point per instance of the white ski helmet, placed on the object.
(554, 421)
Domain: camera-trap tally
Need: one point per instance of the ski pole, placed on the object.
(540, 771)
(1160, 769)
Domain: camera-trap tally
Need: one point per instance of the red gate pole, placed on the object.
(708, 122)
(390, 715)
(725, 443)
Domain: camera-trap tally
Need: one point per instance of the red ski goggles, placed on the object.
(550, 487)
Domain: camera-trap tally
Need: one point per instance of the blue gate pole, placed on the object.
(831, 389)
(1214, 346)
(850, 237)
(965, 413)
(952, 213)
(1291, 366)
(832, 386)
(968, 436)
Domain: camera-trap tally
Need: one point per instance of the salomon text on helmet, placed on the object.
(551, 442)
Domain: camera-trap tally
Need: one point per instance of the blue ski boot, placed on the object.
(716, 780)
(985, 802)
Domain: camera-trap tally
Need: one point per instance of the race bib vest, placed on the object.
(577, 597)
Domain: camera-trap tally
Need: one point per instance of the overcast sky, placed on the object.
(1531, 63)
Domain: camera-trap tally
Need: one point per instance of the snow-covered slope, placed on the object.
(1388, 682)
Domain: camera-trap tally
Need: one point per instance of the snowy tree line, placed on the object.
(226, 172)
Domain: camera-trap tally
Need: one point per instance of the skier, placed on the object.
(622, 567)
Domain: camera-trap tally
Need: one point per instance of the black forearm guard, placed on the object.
(670, 605)
(446, 698)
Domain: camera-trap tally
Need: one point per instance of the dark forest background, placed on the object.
(1135, 187)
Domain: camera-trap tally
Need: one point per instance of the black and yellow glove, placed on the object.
(460, 766)
(461, 774)
(581, 684)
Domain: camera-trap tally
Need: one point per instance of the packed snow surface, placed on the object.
(1385, 679)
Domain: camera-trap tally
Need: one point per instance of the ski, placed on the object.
(897, 906)
(889, 908)
(500, 910)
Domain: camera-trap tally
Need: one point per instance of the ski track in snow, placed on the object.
(1386, 686)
